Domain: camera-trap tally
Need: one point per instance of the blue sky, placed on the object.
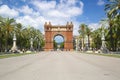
(37, 12)
(59, 39)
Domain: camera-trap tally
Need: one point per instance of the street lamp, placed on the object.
(14, 48)
(103, 39)
(76, 41)
(86, 43)
(103, 46)
(31, 44)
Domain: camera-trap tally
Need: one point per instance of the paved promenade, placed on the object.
(60, 66)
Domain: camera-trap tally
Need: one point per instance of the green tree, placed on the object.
(1, 33)
(8, 25)
(19, 35)
(115, 34)
(62, 45)
(55, 44)
(88, 33)
(112, 9)
(82, 32)
(96, 38)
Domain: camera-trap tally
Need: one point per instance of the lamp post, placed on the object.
(14, 48)
(38, 41)
(103, 46)
(76, 41)
(86, 41)
(39, 46)
(31, 44)
(103, 39)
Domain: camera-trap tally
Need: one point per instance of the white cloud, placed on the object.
(7, 12)
(94, 26)
(44, 5)
(69, 7)
(56, 13)
(100, 2)
(65, 9)
(74, 11)
(68, 2)
(76, 28)
(60, 13)
(45, 11)
(32, 21)
(26, 10)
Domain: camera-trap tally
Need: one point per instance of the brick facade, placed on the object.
(64, 30)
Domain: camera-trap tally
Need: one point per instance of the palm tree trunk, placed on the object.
(88, 41)
(115, 44)
(0, 44)
(111, 38)
(6, 43)
(83, 43)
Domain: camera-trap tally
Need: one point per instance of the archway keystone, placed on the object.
(64, 30)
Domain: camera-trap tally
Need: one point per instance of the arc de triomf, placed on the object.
(66, 31)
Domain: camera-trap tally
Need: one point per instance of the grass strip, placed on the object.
(106, 54)
(14, 55)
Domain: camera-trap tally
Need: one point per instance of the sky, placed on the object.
(36, 12)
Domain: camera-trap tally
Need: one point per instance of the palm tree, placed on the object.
(116, 32)
(19, 33)
(112, 8)
(38, 39)
(82, 31)
(112, 31)
(27, 34)
(37, 36)
(88, 33)
(96, 38)
(1, 33)
(8, 26)
(25, 38)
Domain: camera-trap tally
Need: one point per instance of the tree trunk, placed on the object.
(0, 45)
(6, 43)
(116, 41)
(111, 39)
(83, 43)
(88, 41)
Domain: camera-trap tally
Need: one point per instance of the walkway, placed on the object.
(60, 66)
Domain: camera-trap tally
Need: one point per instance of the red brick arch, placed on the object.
(64, 30)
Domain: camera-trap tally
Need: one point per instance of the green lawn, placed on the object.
(108, 54)
(2, 55)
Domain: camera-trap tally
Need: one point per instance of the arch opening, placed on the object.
(58, 42)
